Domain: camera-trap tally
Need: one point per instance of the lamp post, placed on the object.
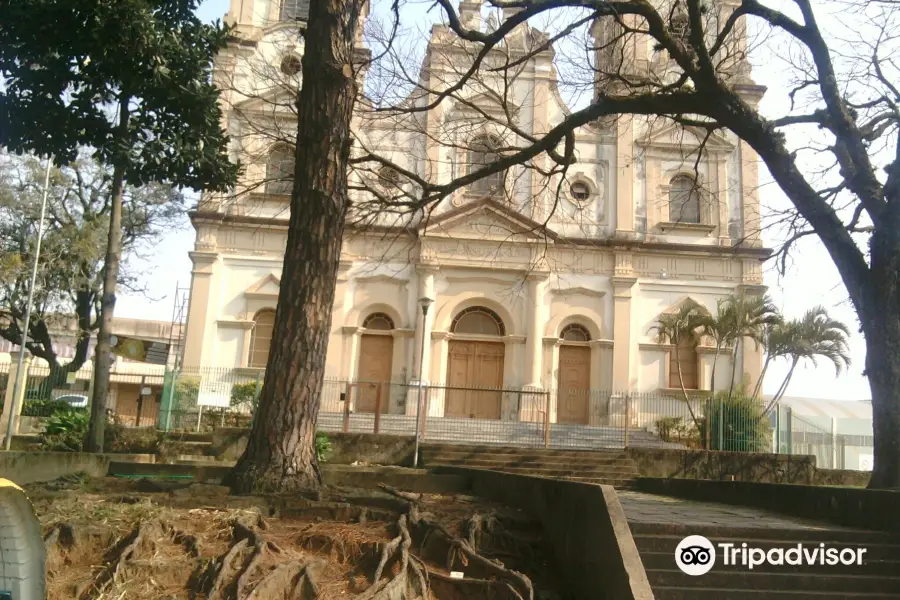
(17, 385)
(425, 302)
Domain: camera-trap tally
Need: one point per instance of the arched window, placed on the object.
(684, 200)
(686, 354)
(484, 151)
(261, 338)
(378, 322)
(280, 171)
(478, 320)
(575, 333)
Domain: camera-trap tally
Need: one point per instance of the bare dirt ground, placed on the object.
(115, 539)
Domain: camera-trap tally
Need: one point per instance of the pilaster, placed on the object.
(202, 310)
(623, 287)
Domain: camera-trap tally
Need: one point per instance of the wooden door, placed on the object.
(573, 397)
(475, 366)
(684, 355)
(376, 353)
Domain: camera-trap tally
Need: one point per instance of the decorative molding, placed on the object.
(235, 324)
(695, 227)
(381, 279)
(578, 291)
(655, 347)
(350, 329)
(601, 343)
(403, 333)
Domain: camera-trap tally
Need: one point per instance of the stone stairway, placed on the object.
(454, 430)
(604, 467)
(877, 577)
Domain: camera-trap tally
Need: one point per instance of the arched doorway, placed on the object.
(376, 354)
(573, 396)
(475, 367)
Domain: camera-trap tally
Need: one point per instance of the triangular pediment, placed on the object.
(485, 219)
(267, 286)
(676, 135)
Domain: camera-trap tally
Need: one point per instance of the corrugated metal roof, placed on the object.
(821, 407)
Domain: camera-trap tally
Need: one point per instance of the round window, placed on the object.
(290, 65)
(580, 192)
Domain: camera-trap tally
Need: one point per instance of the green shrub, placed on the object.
(323, 447)
(243, 396)
(65, 432)
(678, 430)
(45, 407)
(131, 440)
(736, 425)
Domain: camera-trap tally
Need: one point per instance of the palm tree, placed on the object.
(747, 317)
(676, 328)
(813, 336)
(720, 329)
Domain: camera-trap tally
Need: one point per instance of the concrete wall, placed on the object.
(742, 466)
(585, 525)
(29, 467)
(868, 509)
(228, 444)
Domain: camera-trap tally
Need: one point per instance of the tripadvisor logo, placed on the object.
(696, 555)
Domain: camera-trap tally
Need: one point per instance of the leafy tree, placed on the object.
(130, 79)
(69, 283)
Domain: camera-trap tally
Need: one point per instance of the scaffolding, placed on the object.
(178, 330)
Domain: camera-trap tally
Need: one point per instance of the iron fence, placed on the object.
(206, 398)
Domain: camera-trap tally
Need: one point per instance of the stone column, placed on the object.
(424, 327)
(621, 380)
(751, 356)
(202, 310)
(423, 343)
(625, 177)
(10, 389)
(534, 347)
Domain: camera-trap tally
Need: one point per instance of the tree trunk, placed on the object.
(280, 454)
(712, 376)
(879, 315)
(734, 358)
(102, 360)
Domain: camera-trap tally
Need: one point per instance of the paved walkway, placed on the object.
(650, 508)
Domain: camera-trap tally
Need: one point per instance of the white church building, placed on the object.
(534, 285)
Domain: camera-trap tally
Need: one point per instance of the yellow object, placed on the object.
(22, 555)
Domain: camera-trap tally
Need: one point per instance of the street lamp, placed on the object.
(19, 381)
(425, 302)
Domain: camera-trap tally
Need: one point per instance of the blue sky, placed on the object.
(812, 278)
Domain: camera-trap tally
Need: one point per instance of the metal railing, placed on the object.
(206, 398)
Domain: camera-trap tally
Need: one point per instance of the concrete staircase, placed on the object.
(877, 577)
(604, 467)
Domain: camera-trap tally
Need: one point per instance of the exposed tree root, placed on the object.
(460, 551)
(289, 581)
(140, 540)
(411, 580)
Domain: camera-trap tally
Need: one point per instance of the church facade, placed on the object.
(532, 283)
